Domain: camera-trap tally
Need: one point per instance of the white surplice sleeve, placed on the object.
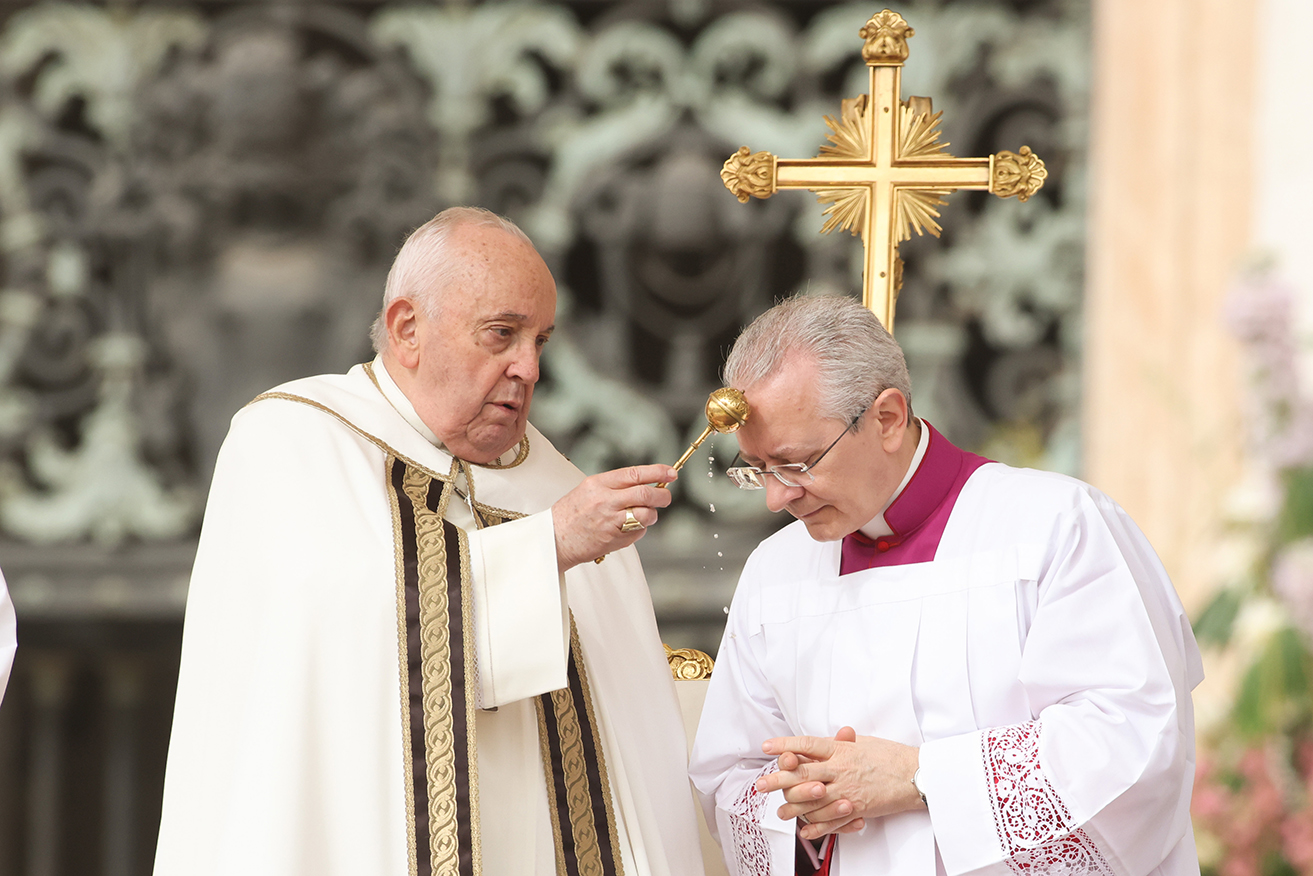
(8, 636)
(517, 588)
(1099, 780)
(726, 761)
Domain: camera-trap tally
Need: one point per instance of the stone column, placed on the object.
(1171, 179)
(124, 682)
(51, 676)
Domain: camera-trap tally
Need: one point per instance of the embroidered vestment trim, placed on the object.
(751, 849)
(578, 788)
(1035, 829)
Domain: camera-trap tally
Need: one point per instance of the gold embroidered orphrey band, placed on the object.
(439, 682)
(439, 704)
(578, 789)
(439, 674)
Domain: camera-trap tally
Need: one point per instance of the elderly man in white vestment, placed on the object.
(399, 654)
(945, 665)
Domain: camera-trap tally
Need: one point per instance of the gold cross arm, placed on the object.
(884, 172)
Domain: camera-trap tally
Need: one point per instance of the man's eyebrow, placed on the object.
(789, 453)
(510, 316)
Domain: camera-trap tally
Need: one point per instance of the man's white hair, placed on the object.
(423, 267)
(857, 358)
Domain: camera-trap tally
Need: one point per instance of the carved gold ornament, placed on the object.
(850, 135)
(1017, 173)
(749, 174)
(886, 38)
(884, 173)
(918, 136)
(846, 210)
(688, 664)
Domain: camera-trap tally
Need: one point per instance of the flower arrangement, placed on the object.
(1253, 797)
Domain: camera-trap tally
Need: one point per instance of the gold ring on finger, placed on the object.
(632, 523)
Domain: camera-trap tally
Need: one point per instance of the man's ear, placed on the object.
(891, 416)
(402, 322)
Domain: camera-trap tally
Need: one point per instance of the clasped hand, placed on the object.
(838, 783)
(587, 519)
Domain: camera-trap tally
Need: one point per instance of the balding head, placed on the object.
(426, 263)
(469, 368)
(856, 358)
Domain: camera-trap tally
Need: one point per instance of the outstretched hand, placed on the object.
(837, 783)
(587, 519)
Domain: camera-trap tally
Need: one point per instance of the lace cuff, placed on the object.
(1035, 829)
(749, 847)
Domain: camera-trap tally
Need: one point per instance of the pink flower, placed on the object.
(1297, 840)
(1260, 312)
(1210, 803)
(1292, 581)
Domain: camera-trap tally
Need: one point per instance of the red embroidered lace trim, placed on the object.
(751, 850)
(1035, 828)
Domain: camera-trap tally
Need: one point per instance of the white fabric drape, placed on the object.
(8, 635)
(287, 754)
(1042, 662)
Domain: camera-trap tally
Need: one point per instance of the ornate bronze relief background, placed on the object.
(200, 199)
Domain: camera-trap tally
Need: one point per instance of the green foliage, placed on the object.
(1215, 622)
(1296, 519)
(1275, 696)
(1275, 864)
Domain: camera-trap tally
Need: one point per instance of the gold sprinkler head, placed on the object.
(727, 409)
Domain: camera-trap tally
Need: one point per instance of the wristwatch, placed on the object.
(916, 783)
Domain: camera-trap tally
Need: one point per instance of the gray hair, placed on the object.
(423, 267)
(857, 358)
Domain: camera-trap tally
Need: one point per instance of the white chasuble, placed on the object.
(310, 735)
(1018, 628)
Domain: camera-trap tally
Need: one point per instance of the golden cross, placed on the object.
(885, 171)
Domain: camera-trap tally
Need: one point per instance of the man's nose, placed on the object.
(777, 494)
(524, 363)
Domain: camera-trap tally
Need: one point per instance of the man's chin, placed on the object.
(491, 442)
(822, 526)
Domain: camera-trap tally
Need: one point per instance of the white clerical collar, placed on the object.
(398, 400)
(877, 527)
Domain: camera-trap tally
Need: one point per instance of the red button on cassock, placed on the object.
(882, 545)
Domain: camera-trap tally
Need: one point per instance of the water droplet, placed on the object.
(726, 609)
(711, 474)
(719, 554)
(713, 507)
(715, 535)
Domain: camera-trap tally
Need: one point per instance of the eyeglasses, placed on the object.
(792, 474)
